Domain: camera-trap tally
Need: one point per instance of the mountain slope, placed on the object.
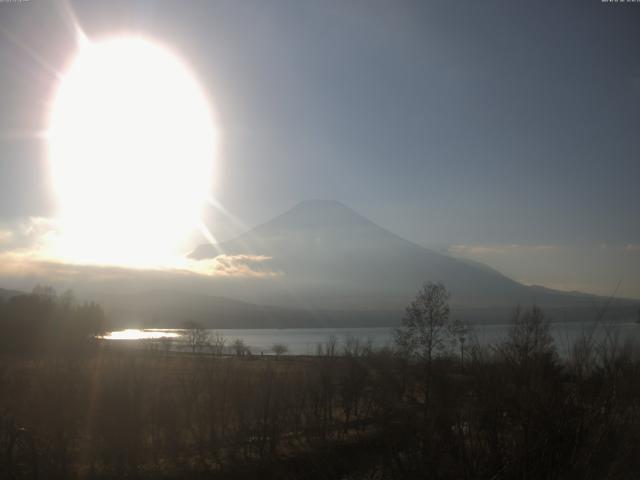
(332, 257)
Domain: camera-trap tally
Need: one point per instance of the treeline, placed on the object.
(511, 411)
(44, 321)
(425, 408)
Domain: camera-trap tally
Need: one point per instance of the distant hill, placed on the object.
(7, 294)
(171, 308)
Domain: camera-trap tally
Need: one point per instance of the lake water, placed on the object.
(304, 341)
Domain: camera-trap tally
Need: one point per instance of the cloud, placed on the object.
(27, 269)
(241, 266)
(25, 249)
(33, 264)
(513, 248)
(26, 235)
(493, 249)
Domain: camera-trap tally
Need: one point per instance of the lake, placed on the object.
(304, 341)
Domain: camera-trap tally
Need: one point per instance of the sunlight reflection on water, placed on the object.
(136, 334)
(304, 341)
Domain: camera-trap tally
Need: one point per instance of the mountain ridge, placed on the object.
(328, 251)
(335, 268)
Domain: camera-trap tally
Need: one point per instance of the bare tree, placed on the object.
(240, 348)
(529, 339)
(218, 343)
(44, 291)
(460, 330)
(196, 336)
(426, 328)
(329, 348)
(165, 344)
(279, 349)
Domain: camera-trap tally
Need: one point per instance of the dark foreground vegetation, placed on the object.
(46, 322)
(436, 406)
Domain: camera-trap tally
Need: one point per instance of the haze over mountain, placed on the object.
(7, 294)
(318, 264)
(329, 257)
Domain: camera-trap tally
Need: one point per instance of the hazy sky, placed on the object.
(506, 131)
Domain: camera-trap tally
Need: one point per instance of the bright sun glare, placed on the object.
(132, 145)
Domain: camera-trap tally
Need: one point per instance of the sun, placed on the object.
(131, 146)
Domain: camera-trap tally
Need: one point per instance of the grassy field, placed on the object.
(510, 411)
